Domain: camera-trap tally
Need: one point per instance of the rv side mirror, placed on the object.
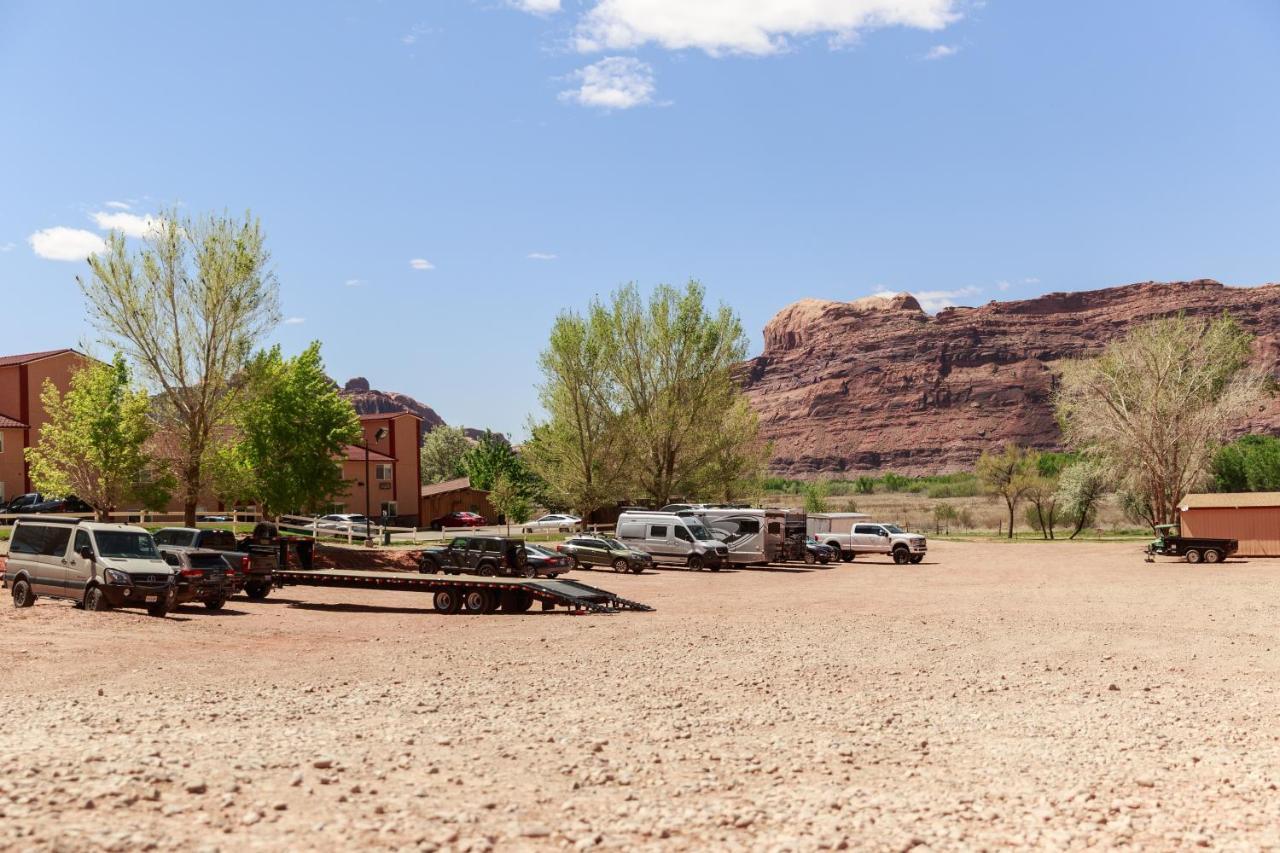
(86, 552)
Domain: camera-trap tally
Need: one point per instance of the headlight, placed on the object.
(117, 577)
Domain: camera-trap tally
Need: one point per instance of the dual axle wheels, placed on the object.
(481, 601)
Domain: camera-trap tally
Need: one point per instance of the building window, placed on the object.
(383, 471)
(1, 442)
(389, 509)
(1, 491)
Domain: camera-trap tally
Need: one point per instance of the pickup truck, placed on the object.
(877, 538)
(254, 566)
(1192, 548)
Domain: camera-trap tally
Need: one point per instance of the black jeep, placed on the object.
(478, 555)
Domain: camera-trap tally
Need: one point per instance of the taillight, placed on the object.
(244, 563)
(193, 573)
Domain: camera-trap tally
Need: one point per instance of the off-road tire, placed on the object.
(521, 557)
(257, 590)
(620, 565)
(847, 556)
(901, 556)
(915, 561)
(95, 601)
(22, 594)
(428, 566)
(447, 601)
(1193, 556)
(516, 601)
(486, 569)
(1211, 555)
(695, 562)
(215, 603)
(161, 607)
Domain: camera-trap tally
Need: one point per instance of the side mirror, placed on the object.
(86, 552)
(884, 533)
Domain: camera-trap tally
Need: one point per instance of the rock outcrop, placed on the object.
(369, 401)
(879, 385)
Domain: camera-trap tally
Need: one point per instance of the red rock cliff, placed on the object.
(878, 385)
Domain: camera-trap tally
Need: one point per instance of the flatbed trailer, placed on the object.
(471, 594)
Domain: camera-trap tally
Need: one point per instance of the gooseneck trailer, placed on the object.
(471, 594)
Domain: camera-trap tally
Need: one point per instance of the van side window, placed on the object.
(27, 539)
(682, 533)
(631, 530)
(82, 540)
(657, 531)
(56, 544)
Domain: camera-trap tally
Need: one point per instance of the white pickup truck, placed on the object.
(850, 535)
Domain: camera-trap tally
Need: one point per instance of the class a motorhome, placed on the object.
(753, 536)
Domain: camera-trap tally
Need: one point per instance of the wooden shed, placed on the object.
(1251, 517)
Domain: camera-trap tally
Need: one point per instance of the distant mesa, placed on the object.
(879, 385)
(368, 401)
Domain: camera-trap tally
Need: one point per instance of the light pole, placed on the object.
(378, 435)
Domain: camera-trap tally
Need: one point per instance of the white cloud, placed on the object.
(759, 27)
(536, 7)
(7, 247)
(934, 301)
(613, 83)
(355, 282)
(541, 256)
(66, 244)
(118, 205)
(421, 264)
(941, 51)
(295, 321)
(1002, 285)
(130, 224)
(1031, 280)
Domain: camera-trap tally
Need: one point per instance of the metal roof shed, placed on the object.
(1251, 517)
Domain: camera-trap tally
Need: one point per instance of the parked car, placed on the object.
(344, 521)
(809, 550)
(1193, 549)
(95, 564)
(478, 555)
(553, 521)
(70, 504)
(216, 519)
(547, 563)
(202, 576)
(21, 503)
(458, 519)
(671, 538)
(604, 551)
(253, 572)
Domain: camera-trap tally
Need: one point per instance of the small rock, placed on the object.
(196, 786)
(322, 763)
(250, 817)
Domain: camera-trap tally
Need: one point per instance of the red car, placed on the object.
(458, 519)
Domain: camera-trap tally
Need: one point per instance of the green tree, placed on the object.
(294, 429)
(507, 499)
(1043, 513)
(187, 309)
(442, 452)
(1251, 463)
(94, 444)
(1007, 474)
(737, 465)
(231, 476)
(865, 485)
(943, 516)
(815, 496)
(1157, 403)
(1080, 489)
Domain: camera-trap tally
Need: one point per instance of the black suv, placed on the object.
(479, 555)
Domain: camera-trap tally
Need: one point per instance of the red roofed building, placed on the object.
(22, 415)
(394, 469)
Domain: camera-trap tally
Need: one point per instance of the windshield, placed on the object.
(120, 544)
(699, 531)
(893, 528)
(616, 545)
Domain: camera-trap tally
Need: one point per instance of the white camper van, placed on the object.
(670, 538)
(747, 533)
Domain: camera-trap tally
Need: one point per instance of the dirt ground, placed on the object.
(1057, 695)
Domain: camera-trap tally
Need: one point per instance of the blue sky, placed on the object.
(535, 153)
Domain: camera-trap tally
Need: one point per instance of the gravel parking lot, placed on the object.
(1057, 695)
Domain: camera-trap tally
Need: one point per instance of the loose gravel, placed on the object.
(1058, 695)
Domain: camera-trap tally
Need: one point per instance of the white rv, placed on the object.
(671, 538)
(747, 533)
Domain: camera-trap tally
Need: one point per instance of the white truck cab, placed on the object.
(852, 533)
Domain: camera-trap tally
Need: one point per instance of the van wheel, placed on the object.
(1212, 556)
(447, 601)
(901, 556)
(215, 603)
(1193, 556)
(22, 594)
(620, 565)
(161, 607)
(95, 601)
(257, 590)
(695, 562)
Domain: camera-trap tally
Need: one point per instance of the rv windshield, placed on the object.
(699, 531)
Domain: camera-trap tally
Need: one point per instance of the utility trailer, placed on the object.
(471, 594)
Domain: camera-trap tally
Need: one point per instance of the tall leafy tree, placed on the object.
(294, 428)
(442, 452)
(1157, 403)
(1008, 474)
(95, 442)
(187, 308)
(1251, 463)
(1081, 487)
(493, 457)
(506, 497)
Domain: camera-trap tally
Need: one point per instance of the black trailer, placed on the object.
(471, 594)
(1193, 548)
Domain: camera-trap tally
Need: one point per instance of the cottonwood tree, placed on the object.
(1007, 474)
(737, 464)
(1081, 487)
(294, 428)
(441, 454)
(1251, 463)
(1156, 404)
(94, 444)
(187, 308)
(1043, 512)
(505, 496)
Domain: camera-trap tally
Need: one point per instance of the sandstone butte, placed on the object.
(878, 385)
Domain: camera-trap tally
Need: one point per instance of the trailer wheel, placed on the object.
(1193, 556)
(901, 556)
(695, 562)
(479, 601)
(1212, 556)
(620, 565)
(447, 601)
(516, 601)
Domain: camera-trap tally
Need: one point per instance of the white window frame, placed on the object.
(381, 468)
